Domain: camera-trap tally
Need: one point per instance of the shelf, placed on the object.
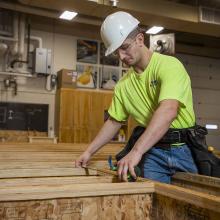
(17, 74)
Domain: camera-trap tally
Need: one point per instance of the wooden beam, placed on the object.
(73, 191)
(189, 196)
(48, 164)
(45, 156)
(201, 183)
(55, 147)
(36, 181)
(13, 173)
(199, 199)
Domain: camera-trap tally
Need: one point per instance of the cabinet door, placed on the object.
(65, 118)
(99, 103)
(66, 109)
(82, 114)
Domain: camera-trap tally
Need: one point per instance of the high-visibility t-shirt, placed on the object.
(139, 94)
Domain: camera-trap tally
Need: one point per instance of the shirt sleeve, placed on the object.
(117, 109)
(175, 83)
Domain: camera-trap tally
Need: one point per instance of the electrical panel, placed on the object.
(42, 61)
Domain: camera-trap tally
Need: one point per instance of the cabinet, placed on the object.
(80, 114)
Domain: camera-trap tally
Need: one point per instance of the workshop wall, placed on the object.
(204, 73)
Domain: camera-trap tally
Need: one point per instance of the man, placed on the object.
(156, 92)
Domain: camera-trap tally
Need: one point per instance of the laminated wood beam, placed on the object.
(55, 147)
(45, 156)
(13, 173)
(73, 190)
(5, 183)
(48, 164)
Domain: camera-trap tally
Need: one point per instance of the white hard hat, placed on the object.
(115, 29)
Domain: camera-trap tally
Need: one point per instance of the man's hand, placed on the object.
(128, 163)
(83, 159)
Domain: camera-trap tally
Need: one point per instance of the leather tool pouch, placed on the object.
(207, 163)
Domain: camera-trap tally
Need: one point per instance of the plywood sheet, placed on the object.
(166, 208)
(73, 190)
(127, 207)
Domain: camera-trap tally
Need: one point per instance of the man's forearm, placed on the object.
(156, 129)
(107, 132)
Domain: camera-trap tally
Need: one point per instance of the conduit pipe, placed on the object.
(38, 39)
(21, 36)
(15, 34)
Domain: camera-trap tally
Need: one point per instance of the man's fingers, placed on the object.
(132, 172)
(125, 173)
(77, 164)
(120, 167)
(84, 164)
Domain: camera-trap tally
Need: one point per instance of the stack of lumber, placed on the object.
(35, 139)
(19, 136)
(49, 156)
(40, 182)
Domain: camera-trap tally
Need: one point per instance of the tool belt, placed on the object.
(207, 163)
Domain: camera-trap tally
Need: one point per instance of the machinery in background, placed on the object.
(34, 61)
(163, 43)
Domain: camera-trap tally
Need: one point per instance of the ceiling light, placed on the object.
(209, 126)
(68, 15)
(154, 30)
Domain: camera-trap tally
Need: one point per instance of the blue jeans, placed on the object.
(160, 164)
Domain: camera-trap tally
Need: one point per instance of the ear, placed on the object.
(140, 39)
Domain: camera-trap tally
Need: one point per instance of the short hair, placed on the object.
(135, 32)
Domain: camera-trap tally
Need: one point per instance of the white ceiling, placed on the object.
(172, 14)
(178, 16)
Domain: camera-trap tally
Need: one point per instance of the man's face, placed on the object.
(128, 52)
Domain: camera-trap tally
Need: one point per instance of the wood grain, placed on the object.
(201, 183)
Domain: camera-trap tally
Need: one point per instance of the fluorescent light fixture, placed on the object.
(209, 126)
(68, 15)
(154, 30)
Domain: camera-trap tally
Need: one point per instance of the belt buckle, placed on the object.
(179, 135)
